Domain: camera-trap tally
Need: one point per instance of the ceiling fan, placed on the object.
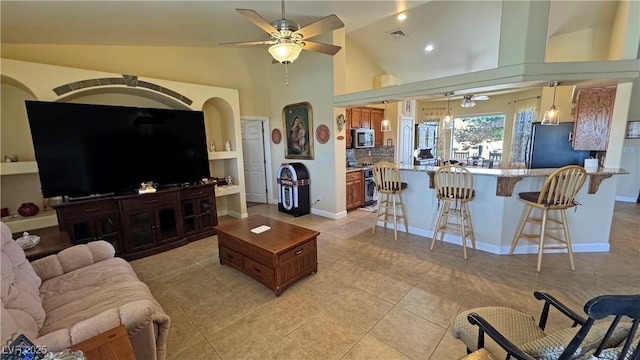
(287, 39)
(469, 100)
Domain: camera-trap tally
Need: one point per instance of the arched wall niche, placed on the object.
(219, 123)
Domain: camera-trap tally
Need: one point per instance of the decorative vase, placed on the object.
(28, 209)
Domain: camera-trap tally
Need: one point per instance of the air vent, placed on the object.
(397, 34)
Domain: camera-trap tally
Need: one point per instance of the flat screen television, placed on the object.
(87, 150)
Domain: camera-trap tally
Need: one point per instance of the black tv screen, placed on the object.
(89, 150)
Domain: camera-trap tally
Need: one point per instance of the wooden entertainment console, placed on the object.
(142, 224)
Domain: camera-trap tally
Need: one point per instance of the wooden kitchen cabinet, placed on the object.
(347, 127)
(377, 115)
(594, 110)
(355, 189)
(364, 117)
(360, 118)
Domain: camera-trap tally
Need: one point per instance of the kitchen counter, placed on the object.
(507, 178)
(496, 213)
(357, 168)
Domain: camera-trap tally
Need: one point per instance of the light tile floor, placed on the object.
(373, 297)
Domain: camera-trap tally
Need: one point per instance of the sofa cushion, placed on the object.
(21, 302)
(97, 289)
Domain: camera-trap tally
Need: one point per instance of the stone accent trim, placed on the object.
(126, 80)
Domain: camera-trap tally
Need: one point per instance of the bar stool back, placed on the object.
(390, 187)
(558, 193)
(454, 186)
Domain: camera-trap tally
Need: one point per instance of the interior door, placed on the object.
(254, 160)
(405, 142)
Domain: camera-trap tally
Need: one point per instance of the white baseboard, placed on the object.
(630, 199)
(497, 249)
(328, 214)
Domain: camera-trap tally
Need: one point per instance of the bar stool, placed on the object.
(387, 179)
(454, 186)
(558, 193)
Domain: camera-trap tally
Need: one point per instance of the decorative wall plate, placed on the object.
(276, 136)
(340, 137)
(322, 134)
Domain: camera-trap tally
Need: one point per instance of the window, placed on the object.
(478, 136)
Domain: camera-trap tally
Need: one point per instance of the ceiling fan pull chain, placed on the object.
(286, 75)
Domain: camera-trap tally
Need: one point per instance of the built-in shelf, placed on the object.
(40, 220)
(19, 167)
(224, 190)
(221, 155)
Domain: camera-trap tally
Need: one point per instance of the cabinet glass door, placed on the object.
(206, 215)
(167, 224)
(189, 217)
(141, 229)
(107, 230)
(81, 231)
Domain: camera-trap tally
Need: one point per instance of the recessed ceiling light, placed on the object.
(429, 48)
(402, 16)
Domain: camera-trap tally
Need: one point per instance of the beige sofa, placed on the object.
(81, 292)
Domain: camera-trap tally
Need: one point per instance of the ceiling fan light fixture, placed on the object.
(285, 52)
(467, 103)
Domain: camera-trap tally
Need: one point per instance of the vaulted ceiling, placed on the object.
(464, 34)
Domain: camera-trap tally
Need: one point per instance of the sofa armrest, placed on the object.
(142, 318)
(73, 258)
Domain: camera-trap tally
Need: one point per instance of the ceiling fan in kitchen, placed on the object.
(469, 100)
(287, 39)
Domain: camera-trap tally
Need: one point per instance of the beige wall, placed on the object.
(261, 87)
(586, 45)
(242, 69)
(360, 69)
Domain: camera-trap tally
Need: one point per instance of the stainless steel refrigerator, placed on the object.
(550, 147)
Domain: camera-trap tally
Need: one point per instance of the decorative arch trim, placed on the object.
(125, 80)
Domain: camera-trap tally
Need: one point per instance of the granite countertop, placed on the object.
(357, 168)
(515, 172)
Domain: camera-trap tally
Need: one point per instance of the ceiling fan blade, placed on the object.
(480, 97)
(247, 43)
(327, 23)
(321, 48)
(255, 18)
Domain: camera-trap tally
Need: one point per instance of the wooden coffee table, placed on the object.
(277, 257)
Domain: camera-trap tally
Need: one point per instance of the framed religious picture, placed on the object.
(298, 131)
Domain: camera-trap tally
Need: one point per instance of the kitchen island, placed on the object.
(496, 211)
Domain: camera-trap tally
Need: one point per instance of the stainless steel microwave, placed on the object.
(362, 138)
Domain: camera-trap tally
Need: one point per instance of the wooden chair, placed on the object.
(460, 155)
(454, 186)
(390, 187)
(517, 334)
(557, 194)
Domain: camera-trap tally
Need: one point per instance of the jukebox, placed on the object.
(293, 189)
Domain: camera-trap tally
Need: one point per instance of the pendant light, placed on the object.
(447, 122)
(551, 117)
(385, 125)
